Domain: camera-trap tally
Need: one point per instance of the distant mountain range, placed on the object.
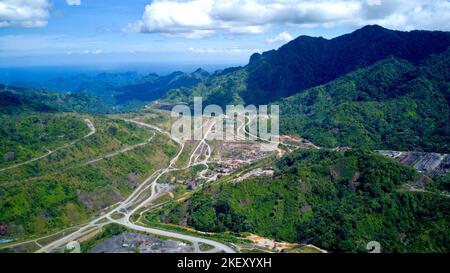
(373, 88)
(117, 90)
(300, 64)
(154, 87)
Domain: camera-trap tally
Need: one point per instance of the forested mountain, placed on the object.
(373, 88)
(393, 104)
(307, 62)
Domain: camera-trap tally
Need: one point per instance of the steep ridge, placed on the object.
(393, 104)
(308, 61)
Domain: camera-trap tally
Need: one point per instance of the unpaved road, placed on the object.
(89, 124)
(124, 150)
(135, 202)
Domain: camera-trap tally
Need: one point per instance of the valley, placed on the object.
(208, 164)
(142, 196)
(209, 155)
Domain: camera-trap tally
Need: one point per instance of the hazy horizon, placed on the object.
(40, 74)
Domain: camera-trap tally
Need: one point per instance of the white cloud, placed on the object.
(414, 14)
(248, 29)
(281, 38)
(200, 18)
(24, 13)
(73, 2)
(190, 19)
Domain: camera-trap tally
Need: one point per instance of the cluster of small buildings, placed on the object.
(191, 184)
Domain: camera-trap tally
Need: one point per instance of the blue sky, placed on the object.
(226, 32)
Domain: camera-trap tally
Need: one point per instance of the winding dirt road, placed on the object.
(138, 200)
(89, 124)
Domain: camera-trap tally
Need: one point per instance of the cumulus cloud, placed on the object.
(281, 38)
(24, 13)
(73, 2)
(200, 18)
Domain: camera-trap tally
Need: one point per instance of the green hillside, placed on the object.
(338, 201)
(390, 105)
(26, 136)
(66, 187)
(221, 89)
